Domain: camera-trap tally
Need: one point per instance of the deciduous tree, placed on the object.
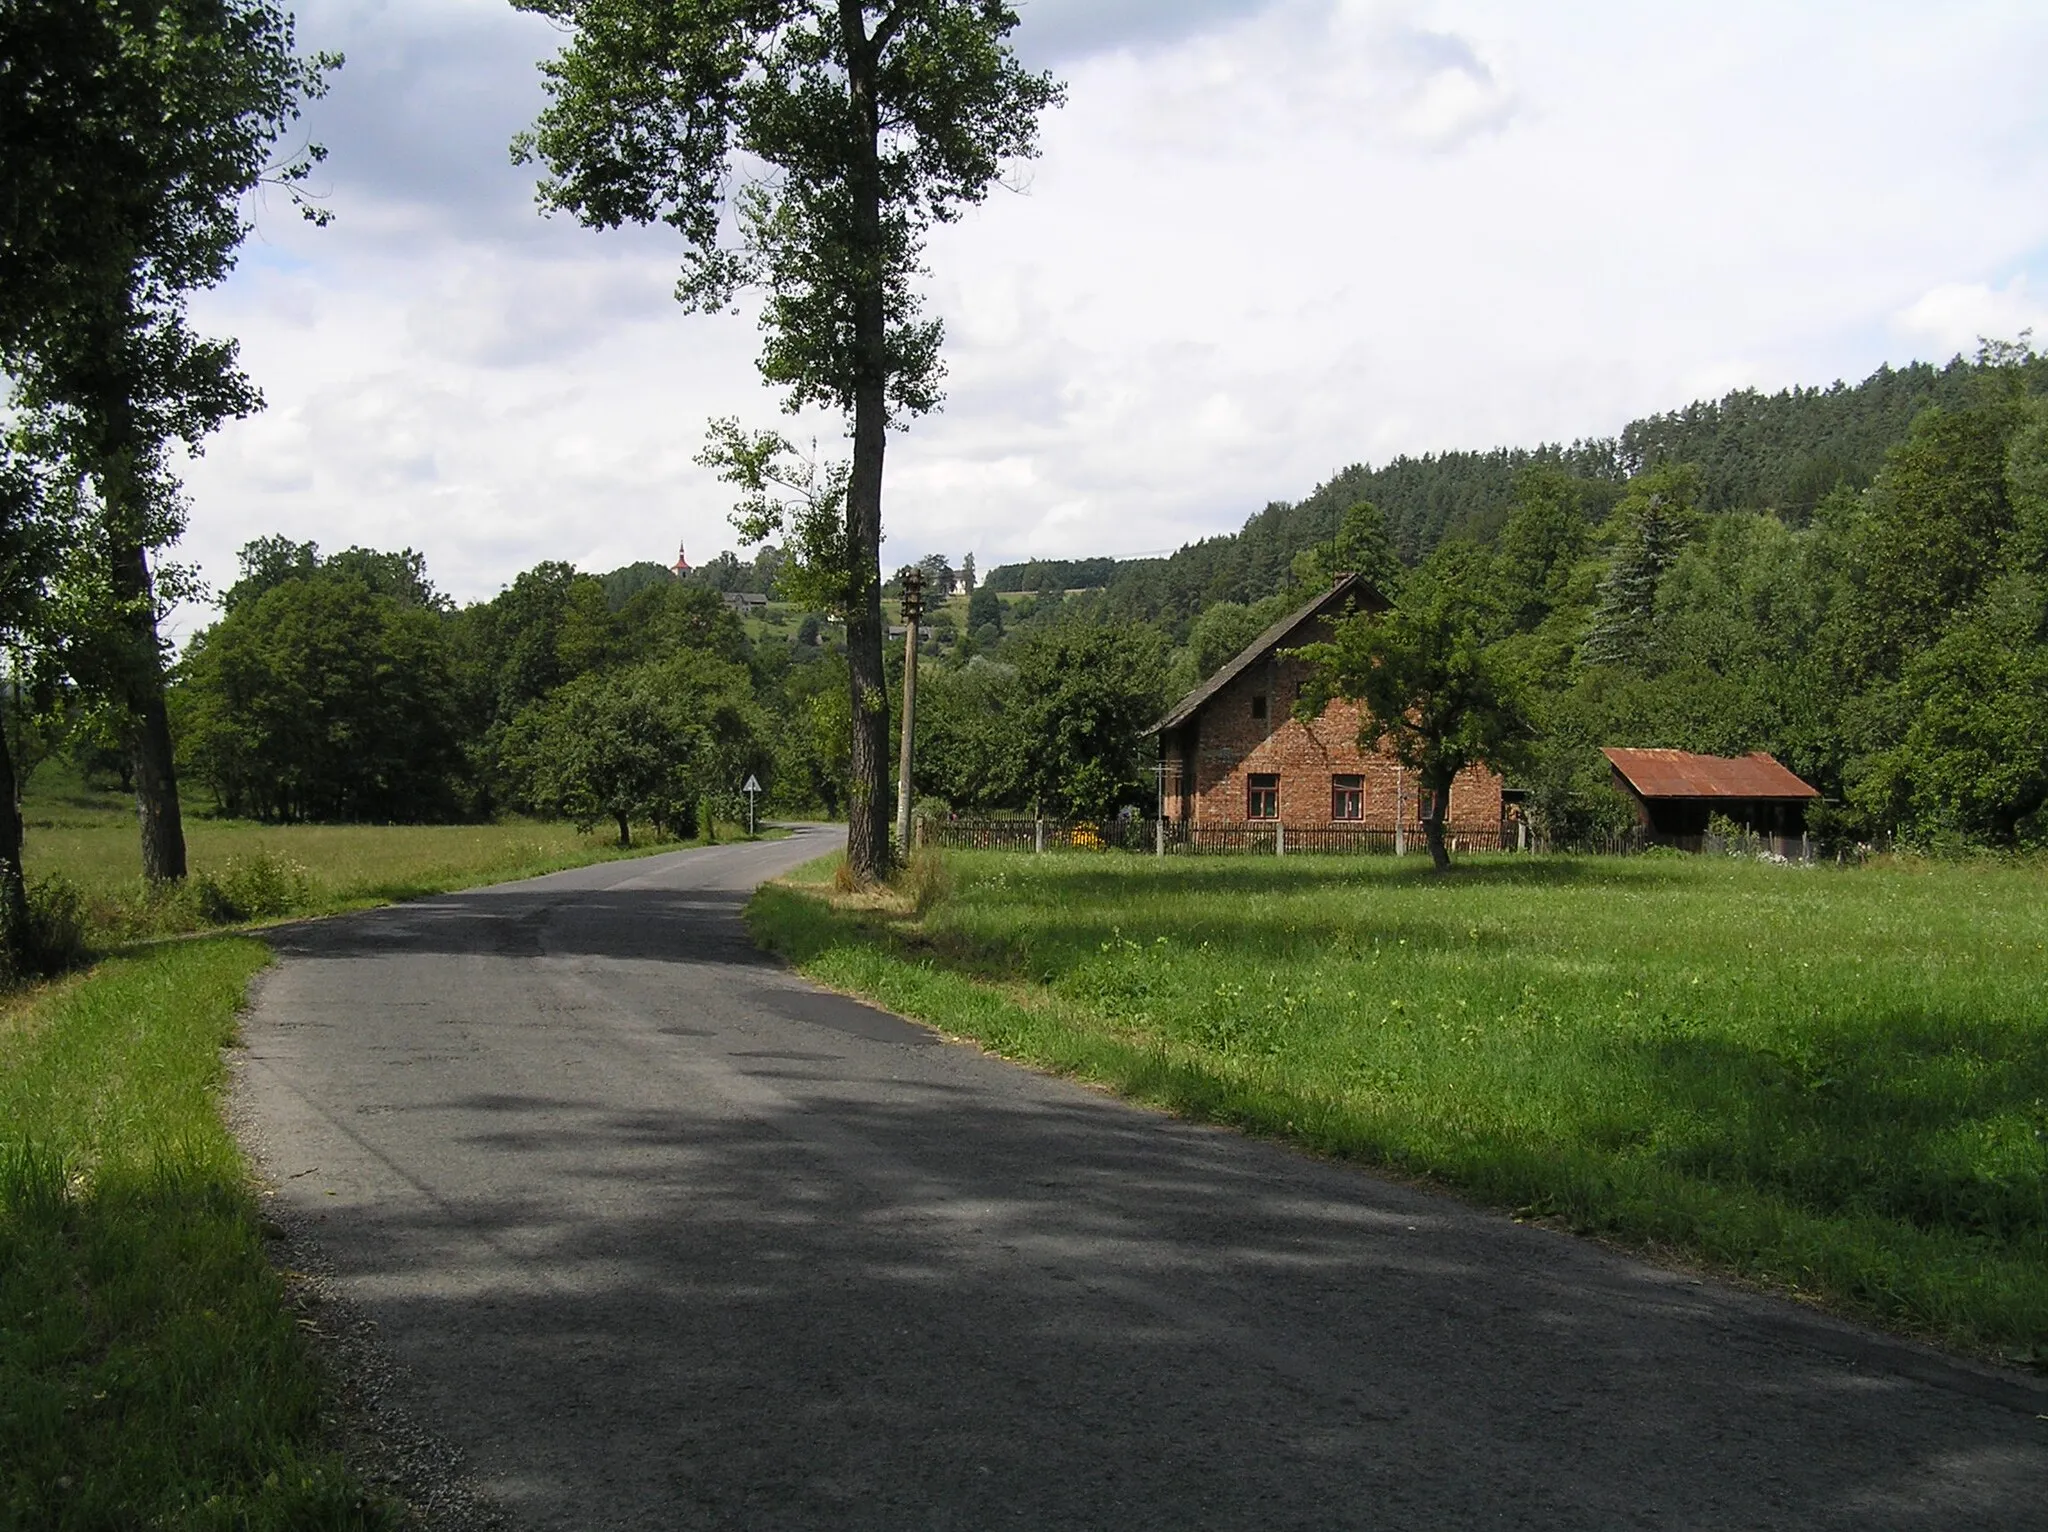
(1088, 694)
(803, 147)
(648, 742)
(36, 529)
(324, 699)
(131, 131)
(1429, 685)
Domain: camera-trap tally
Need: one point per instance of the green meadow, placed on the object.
(1832, 1082)
(242, 870)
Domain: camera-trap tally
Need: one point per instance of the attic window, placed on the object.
(1259, 705)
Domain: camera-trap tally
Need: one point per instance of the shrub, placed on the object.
(53, 940)
(253, 886)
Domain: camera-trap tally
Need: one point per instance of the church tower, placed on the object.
(681, 566)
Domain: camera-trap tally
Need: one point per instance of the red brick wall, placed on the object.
(1230, 745)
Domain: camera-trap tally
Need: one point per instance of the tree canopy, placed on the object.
(323, 698)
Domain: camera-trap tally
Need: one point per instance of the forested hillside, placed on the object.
(1778, 452)
(1854, 579)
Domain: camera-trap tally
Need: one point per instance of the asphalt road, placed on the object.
(667, 1238)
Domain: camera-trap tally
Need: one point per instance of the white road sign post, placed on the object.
(751, 789)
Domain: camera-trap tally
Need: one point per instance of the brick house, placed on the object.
(1234, 754)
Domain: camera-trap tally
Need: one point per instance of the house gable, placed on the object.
(1288, 631)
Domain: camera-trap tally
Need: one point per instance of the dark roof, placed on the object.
(1258, 648)
(1679, 774)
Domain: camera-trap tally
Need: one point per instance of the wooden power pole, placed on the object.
(913, 614)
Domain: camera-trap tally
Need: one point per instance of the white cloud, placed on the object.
(1058, 31)
(1953, 317)
(1265, 240)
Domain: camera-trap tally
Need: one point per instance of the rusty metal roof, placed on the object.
(1681, 774)
(1272, 638)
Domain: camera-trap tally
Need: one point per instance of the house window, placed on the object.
(1347, 797)
(1262, 795)
(1259, 706)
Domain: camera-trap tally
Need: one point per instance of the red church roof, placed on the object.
(1680, 774)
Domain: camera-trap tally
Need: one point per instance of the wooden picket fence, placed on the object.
(964, 833)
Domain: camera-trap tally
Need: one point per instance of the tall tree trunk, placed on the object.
(867, 802)
(13, 889)
(149, 720)
(867, 807)
(1435, 807)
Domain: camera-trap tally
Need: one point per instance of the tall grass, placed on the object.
(1835, 1082)
(151, 1373)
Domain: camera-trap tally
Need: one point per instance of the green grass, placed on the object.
(1834, 1083)
(151, 1373)
(89, 837)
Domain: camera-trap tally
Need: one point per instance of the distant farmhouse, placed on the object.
(1234, 754)
(1676, 793)
(746, 602)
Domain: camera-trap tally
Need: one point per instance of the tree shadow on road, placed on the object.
(882, 1297)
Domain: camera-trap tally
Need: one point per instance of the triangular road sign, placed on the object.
(753, 784)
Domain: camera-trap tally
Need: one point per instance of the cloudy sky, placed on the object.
(1267, 238)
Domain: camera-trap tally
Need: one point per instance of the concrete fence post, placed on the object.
(1038, 836)
(1279, 838)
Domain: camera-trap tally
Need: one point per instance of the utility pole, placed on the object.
(913, 614)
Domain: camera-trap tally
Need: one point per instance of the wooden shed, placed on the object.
(1676, 793)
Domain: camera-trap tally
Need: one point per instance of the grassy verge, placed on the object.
(150, 1371)
(1835, 1083)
